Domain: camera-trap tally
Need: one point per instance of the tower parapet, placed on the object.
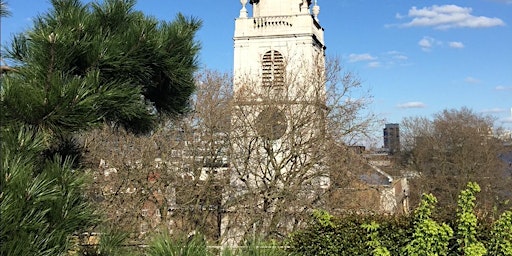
(286, 26)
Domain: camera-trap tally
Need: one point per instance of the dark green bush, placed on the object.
(419, 234)
(327, 235)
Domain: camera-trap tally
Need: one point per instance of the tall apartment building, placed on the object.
(392, 138)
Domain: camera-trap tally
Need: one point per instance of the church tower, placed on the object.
(279, 33)
(277, 118)
(278, 60)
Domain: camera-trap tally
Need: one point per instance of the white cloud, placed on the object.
(493, 110)
(448, 16)
(374, 64)
(472, 80)
(503, 88)
(397, 55)
(458, 45)
(426, 43)
(400, 57)
(361, 57)
(399, 16)
(412, 104)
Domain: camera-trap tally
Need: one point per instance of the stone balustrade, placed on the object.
(272, 22)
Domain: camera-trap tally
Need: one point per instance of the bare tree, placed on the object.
(167, 178)
(283, 135)
(255, 162)
(455, 147)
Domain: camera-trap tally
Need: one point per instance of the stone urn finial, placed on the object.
(243, 11)
(304, 6)
(316, 10)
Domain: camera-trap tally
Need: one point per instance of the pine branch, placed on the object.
(5, 69)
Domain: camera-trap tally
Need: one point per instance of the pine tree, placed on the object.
(80, 66)
(4, 12)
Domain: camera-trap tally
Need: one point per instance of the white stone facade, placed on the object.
(277, 118)
(283, 26)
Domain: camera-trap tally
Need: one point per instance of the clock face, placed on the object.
(271, 123)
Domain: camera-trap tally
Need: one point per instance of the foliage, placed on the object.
(322, 218)
(255, 248)
(373, 240)
(348, 235)
(41, 200)
(501, 236)
(80, 66)
(429, 238)
(83, 64)
(4, 11)
(467, 223)
(163, 244)
(111, 242)
(419, 234)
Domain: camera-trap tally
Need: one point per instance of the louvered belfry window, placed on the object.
(273, 69)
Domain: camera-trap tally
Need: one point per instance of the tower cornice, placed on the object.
(282, 26)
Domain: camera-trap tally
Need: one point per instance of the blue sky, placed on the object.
(416, 57)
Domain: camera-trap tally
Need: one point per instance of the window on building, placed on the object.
(273, 69)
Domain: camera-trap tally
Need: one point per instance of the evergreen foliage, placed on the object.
(4, 12)
(80, 66)
(467, 223)
(429, 237)
(85, 63)
(41, 200)
(501, 236)
(111, 242)
(163, 244)
(255, 248)
(373, 240)
(348, 235)
(419, 234)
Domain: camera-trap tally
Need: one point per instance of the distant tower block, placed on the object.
(392, 138)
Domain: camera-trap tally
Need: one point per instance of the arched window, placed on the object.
(273, 69)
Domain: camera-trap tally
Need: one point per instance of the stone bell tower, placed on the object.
(278, 34)
(277, 119)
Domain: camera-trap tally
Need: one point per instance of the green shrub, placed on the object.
(374, 241)
(467, 241)
(346, 235)
(501, 236)
(111, 243)
(429, 237)
(419, 234)
(256, 248)
(163, 244)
